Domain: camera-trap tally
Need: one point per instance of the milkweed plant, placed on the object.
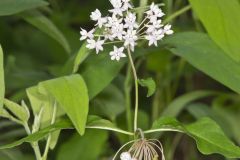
(63, 102)
(122, 30)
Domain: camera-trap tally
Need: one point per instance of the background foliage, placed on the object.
(196, 73)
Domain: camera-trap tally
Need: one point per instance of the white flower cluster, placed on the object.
(122, 27)
(126, 156)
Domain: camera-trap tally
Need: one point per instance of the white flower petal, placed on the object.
(125, 156)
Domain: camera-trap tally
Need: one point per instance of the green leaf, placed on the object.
(39, 98)
(20, 112)
(158, 61)
(210, 139)
(93, 122)
(9, 7)
(99, 68)
(199, 50)
(71, 94)
(150, 84)
(228, 121)
(62, 124)
(109, 103)
(4, 113)
(175, 107)
(45, 25)
(87, 147)
(81, 55)
(2, 84)
(207, 134)
(221, 19)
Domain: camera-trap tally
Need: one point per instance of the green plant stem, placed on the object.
(174, 145)
(181, 66)
(50, 135)
(169, 4)
(34, 145)
(127, 89)
(136, 89)
(177, 13)
(157, 99)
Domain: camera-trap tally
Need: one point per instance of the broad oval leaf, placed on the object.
(206, 132)
(221, 18)
(150, 84)
(200, 51)
(71, 94)
(2, 84)
(9, 7)
(99, 68)
(211, 139)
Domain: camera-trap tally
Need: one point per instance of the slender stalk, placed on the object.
(127, 89)
(157, 100)
(146, 7)
(122, 148)
(145, 25)
(111, 129)
(113, 42)
(177, 13)
(163, 130)
(181, 66)
(136, 89)
(33, 144)
(50, 135)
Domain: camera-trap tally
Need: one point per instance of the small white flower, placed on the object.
(154, 37)
(167, 29)
(117, 7)
(116, 3)
(117, 53)
(122, 26)
(130, 38)
(113, 21)
(85, 34)
(118, 31)
(150, 28)
(101, 21)
(130, 21)
(117, 11)
(95, 44)
(126, 5)
(157, 23)
(125, 156)
(96, 15)
(154, 26)
(154, 11)
(108, 34)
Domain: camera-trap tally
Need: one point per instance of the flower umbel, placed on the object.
(121, 27)
(143, 149)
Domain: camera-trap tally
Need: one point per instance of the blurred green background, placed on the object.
(41, 43)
